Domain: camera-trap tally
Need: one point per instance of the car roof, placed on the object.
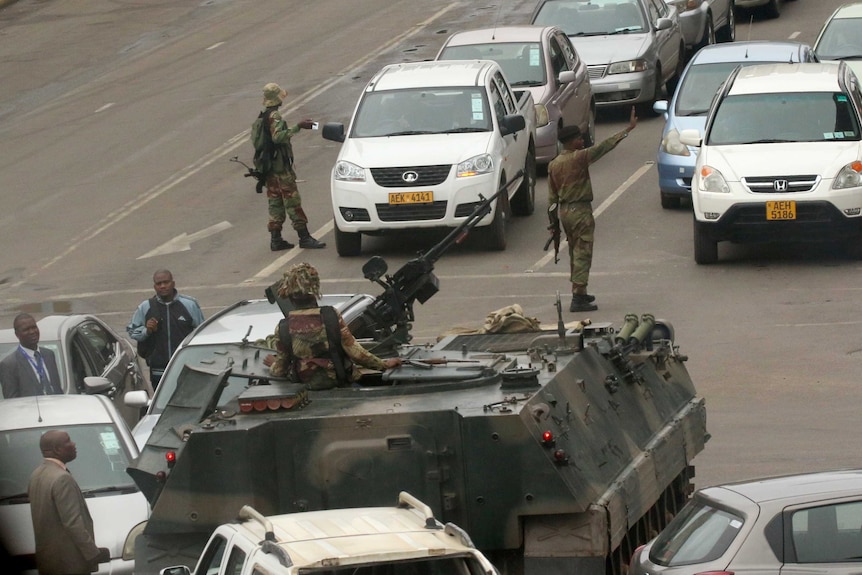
(356, 535)
(500, 34)
(55, 410)
(853, 10)
(755, 50)
(49, 327)
(804, 486)
(438, 74)
(777, 78)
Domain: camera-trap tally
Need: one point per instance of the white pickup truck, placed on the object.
(428, 141)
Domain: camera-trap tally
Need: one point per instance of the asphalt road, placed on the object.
(118, 118)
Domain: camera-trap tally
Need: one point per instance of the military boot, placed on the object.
(308, 242)
(278, 243)
(583, 302)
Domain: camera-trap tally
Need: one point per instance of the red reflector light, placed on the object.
(171, 458)
(561, 456)
(547, 438)
(160, 476)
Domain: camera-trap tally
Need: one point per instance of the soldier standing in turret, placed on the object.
(281, 191)
(570, 189)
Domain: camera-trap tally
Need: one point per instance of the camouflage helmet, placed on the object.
(273, 95)
(300, 279)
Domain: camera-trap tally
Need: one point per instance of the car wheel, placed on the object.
(591, 122)
(524, 202)
(773, 9)
(708, 33)
(645, 108)
(673, 82)
(669, 202)
(347, 244)
(705, 248)
(728, 32)
(493, 237)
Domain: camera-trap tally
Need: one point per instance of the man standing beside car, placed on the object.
(30, 369)
(162, 322)
(570, 199)
(62, 525)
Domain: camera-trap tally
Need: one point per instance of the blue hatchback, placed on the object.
(700, 80)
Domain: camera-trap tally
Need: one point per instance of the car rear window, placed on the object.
(699, 533)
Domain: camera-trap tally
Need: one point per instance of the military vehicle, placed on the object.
(558, 451)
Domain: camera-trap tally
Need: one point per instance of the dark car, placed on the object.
(807, 524)
(91, 358)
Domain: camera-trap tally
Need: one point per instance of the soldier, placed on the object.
(314, 344)
(571, 191)
(281, 191)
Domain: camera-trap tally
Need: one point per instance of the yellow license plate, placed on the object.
(411, 198)
(785, 210)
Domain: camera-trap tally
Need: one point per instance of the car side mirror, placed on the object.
(690, 137)
(512, 123)
(663, 24)
(660, 107)
(333, 131)
(137, 398)
(566, 77)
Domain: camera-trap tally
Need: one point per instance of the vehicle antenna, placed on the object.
(496, 19)
(38, 411)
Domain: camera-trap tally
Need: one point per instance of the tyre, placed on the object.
(673, 82)
(524, 202)
(669, 202)
(347, 244)
(705, 248)
(708, 33)
(493, 237)
(645, 108)
(728, 32)
(591, 122)
(773, 9)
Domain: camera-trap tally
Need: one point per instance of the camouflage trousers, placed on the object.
(580, 226)
(284, 202)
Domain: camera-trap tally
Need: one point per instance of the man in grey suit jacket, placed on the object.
(65, 543)
(29, 369)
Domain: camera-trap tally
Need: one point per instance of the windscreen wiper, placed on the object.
(111, 489)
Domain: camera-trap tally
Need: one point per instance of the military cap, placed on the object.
(300, 279)
(273, 95)
(567, 133)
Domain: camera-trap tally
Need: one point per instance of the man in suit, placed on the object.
(29, 369)
(62, 525)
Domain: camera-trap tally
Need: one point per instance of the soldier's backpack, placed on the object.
(262, 141)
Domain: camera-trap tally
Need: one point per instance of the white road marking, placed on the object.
(105, 107)
(281, 262)
(183, 242)
(216, 45)
(598, 211)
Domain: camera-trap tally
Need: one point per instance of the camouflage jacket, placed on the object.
(312, 357)
(569, 173)
(281, 134)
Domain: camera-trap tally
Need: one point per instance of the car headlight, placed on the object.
(129, 543)
(850, 176)
(542, 117)
(347, 172)
(711, 180)
(481, 164)
(627, 67)
(670, 144)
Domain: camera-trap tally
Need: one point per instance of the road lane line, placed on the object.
(281, 262)
(231, 145)
(605, 205)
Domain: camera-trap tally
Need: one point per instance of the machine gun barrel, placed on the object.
(389, 315)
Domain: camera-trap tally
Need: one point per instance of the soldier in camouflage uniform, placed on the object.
(310, 352)
(281, 191)
(571, 191)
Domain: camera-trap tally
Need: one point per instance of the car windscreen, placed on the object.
(783, 117)
(522, 62)
(54, 345)
(459, 565)
(422, 111)
(700, 84)
(99, 468)
(595, 18)
(699, 533)
(842, 40)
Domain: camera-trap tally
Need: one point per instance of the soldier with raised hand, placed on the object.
(281, 191)
(314, 344)
(570, 193)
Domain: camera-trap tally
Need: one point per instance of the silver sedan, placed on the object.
(705, 22)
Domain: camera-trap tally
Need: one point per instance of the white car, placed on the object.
(841, 37)
(105, 448)
(780, 159)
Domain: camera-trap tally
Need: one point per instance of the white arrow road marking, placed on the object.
(183, 242)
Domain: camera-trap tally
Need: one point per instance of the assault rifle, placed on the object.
(554, 228)
(252, 173)
(387, 319)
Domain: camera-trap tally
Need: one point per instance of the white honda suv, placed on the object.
(780, 158)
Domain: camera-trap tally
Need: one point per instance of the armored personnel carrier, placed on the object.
(557, 451)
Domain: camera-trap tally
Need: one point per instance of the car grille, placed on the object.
(596, 72)
(425, 176)
(411, 212)
(781, 184)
